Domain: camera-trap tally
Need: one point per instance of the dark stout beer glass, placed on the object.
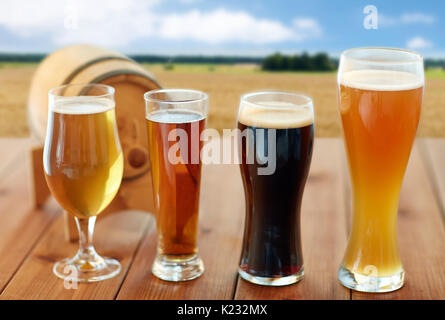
(277, 135)
(175, 121)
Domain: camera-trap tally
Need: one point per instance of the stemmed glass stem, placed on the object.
(87, 264)
(86, 252)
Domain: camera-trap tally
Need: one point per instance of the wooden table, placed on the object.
(32, 240)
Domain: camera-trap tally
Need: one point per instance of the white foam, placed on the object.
(82, 105)
(380, 80)
(176, 116)
(275, 115)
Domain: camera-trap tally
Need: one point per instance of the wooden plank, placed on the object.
(16, 244)
(40, 189)
(117, 236)
(220, 232)
(434, 154)
(20, 225)
(11, 150)
(421, 232)
(323, 232)
(421, 237)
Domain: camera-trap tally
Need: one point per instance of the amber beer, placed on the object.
(176, 186)
(271, 252)
(380, 112)
(175, 121)
(85, 171)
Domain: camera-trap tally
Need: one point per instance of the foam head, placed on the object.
(175, 116)
(274, 115)
(380, 80)
(82, 105)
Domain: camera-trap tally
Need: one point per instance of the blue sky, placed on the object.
(208, 27)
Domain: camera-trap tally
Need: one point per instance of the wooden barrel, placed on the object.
(90, 64)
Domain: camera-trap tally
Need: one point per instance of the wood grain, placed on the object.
(20, 224)
(13, 149)
(117, 236)
(421, 235)
(433, 151)
(40, 190)
(323, 232)
(220, 231)
(31, 240)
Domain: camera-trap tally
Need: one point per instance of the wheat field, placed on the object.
(225, 85)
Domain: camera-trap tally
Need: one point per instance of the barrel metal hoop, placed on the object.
(123, 71)
(76, 71)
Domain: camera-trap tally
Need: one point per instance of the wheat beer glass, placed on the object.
(83, 166)
(276, 133)
(380, 95)
(175, 120)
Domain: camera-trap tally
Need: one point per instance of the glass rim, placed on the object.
(110, 90)
(202, 96)
(348, 54)
(308, 102)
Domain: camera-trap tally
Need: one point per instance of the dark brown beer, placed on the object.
(176, 185)
(272, 246)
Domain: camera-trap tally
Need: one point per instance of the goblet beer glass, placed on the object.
(83, 167)
(175, 120)
(380, 95)
(277, 134)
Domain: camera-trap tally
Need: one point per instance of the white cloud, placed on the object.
(103, 22)
(418, 43)
(306, 27)
(117, 23)
(407, 18)
(221, 26)
(417, 17)
(225, 26)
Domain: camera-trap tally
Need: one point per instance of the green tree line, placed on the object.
(145, 58)
(299, 62)
(141, 58)
(275, 62)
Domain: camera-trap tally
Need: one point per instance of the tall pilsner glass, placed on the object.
(175, 121)
(380, 94)
(83, 166)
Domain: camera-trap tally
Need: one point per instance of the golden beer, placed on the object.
(83, 166)
(380, 112)
(83, 161)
